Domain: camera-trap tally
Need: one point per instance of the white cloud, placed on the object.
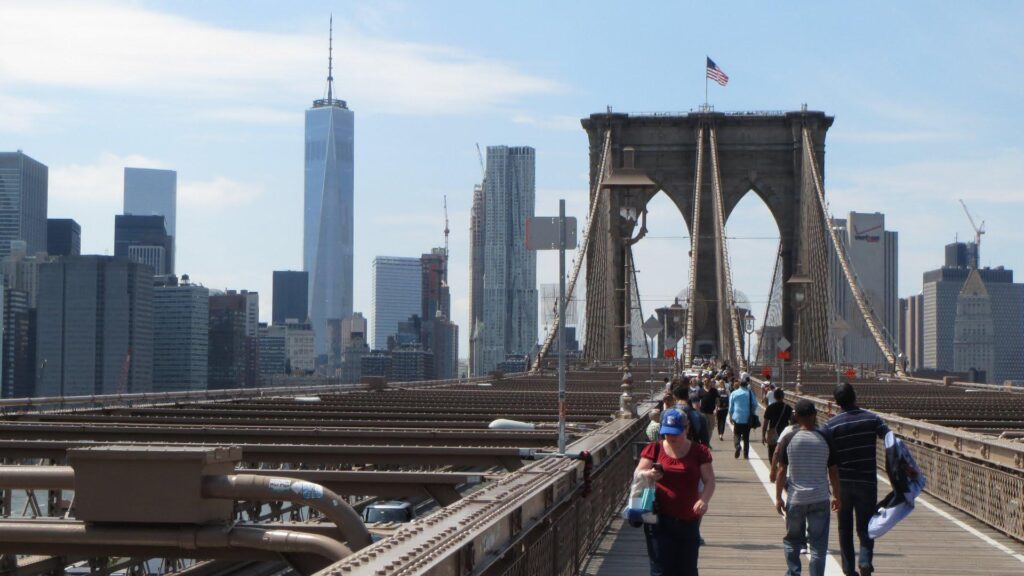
(19, 114)
(892, 137)
(555, 122)
(218, 193)
(254, 115)
(996, 178)
(105, 46)
(101, 182)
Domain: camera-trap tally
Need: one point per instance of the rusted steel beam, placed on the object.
(319, 454)
(267, 434)
(73, 537)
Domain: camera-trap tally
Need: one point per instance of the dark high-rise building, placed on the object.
(23, 195)
(181, 326)
(439, 334)
(328, 222)
(411, 364)
(228, 347)
(273, 352)
(19, 352)
(63, 237)
(144, 239)
(95, 327)
(291, 296)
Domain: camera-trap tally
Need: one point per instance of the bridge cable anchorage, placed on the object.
(691, 295)
(584, 246)
(848, 273)
(725, 266)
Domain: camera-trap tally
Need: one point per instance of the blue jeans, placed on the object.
(673, 546)
(807, 525)
(860, 499)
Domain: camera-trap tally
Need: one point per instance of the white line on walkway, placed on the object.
(832, 566)
(963, 525)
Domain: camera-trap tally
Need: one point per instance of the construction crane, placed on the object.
(444, 271)
(978, 231)
(483, 169)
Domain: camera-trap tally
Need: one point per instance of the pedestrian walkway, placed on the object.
(744, 534)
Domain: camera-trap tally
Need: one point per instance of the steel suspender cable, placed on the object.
(581, 255)
(858, 296)
(694, 245)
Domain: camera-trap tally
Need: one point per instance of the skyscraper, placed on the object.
(973, 329)
(943, 292)
(144, 239)
(328, 218)
(510, 270)
(152, 192)
(476, 276)
(872, 251)
(63, 237)
(95, 327)
(228, 346)
(912, 331)
(291, 296)
(396, 295)
(23, 194)
(181, 324)
(439, 334)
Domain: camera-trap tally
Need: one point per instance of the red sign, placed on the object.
(670, 353)
(851, 373)
(766, 372)
(784, 355)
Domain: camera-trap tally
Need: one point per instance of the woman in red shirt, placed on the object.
(678, 465)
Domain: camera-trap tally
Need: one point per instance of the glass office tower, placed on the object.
(328, 220)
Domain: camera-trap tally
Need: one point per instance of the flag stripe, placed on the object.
(715, 73)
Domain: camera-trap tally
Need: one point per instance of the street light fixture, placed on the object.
(748, 327)
(800, 287)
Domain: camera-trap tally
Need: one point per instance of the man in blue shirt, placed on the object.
(742, 407)
(854, 432)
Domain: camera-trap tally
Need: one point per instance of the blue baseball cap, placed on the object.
(673, 422)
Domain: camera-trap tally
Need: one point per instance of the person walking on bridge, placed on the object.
(807, 468)
(742, 408)
(678, 465)
(854, 432)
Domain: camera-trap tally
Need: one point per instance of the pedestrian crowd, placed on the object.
(816, 470)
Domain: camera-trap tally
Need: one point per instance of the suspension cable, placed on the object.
(694, 245)
(866, 311)
(726, 266)
(584, 245)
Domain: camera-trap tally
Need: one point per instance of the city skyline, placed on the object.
(906, 142)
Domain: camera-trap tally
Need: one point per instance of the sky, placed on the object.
(926, 97)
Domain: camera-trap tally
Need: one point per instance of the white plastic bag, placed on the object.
(640, 506)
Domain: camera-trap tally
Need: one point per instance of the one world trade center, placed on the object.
(328, 220)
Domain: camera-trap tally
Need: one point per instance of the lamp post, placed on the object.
(748, 328)
(799, 286)
(629, 215)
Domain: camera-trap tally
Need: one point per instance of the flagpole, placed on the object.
(705, 87)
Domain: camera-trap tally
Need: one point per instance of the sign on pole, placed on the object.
(782, 344)
(652, 327)
(542, 233)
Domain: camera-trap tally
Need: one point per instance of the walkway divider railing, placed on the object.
(979, 475)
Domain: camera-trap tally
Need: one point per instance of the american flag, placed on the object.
(716, 74)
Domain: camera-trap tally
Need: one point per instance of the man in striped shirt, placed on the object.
(854, 432)
(806, 470)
